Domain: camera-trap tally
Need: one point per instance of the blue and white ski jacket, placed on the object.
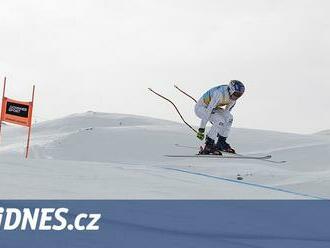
(216, 98)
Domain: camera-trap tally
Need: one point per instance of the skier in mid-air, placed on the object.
(215, 106)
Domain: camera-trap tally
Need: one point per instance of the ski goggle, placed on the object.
(237, 94)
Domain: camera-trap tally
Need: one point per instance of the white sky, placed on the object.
(102, 55)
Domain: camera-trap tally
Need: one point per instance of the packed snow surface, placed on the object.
(116, 156)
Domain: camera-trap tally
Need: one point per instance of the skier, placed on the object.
(215, 106)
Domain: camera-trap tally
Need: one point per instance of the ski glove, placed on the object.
(200, 133)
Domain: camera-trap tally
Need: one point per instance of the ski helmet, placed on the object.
(236, 88)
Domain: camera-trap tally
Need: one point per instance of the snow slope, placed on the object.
(324, 132)
(114, 156)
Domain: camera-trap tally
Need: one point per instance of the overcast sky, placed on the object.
(101, 55)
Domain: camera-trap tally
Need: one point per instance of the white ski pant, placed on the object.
(221, 119)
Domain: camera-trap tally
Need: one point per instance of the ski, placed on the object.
(265, 158)
(219, 156)
(237, 154)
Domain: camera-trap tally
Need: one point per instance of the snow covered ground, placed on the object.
(115, 156)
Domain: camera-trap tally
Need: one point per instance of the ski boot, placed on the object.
(209, 148)
(223, 146)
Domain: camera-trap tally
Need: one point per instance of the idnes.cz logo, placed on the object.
(46, 219)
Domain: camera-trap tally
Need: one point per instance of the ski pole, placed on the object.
(185, 93)
(175, 86)
(177, 110)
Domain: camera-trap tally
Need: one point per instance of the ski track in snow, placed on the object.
(248, 184)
